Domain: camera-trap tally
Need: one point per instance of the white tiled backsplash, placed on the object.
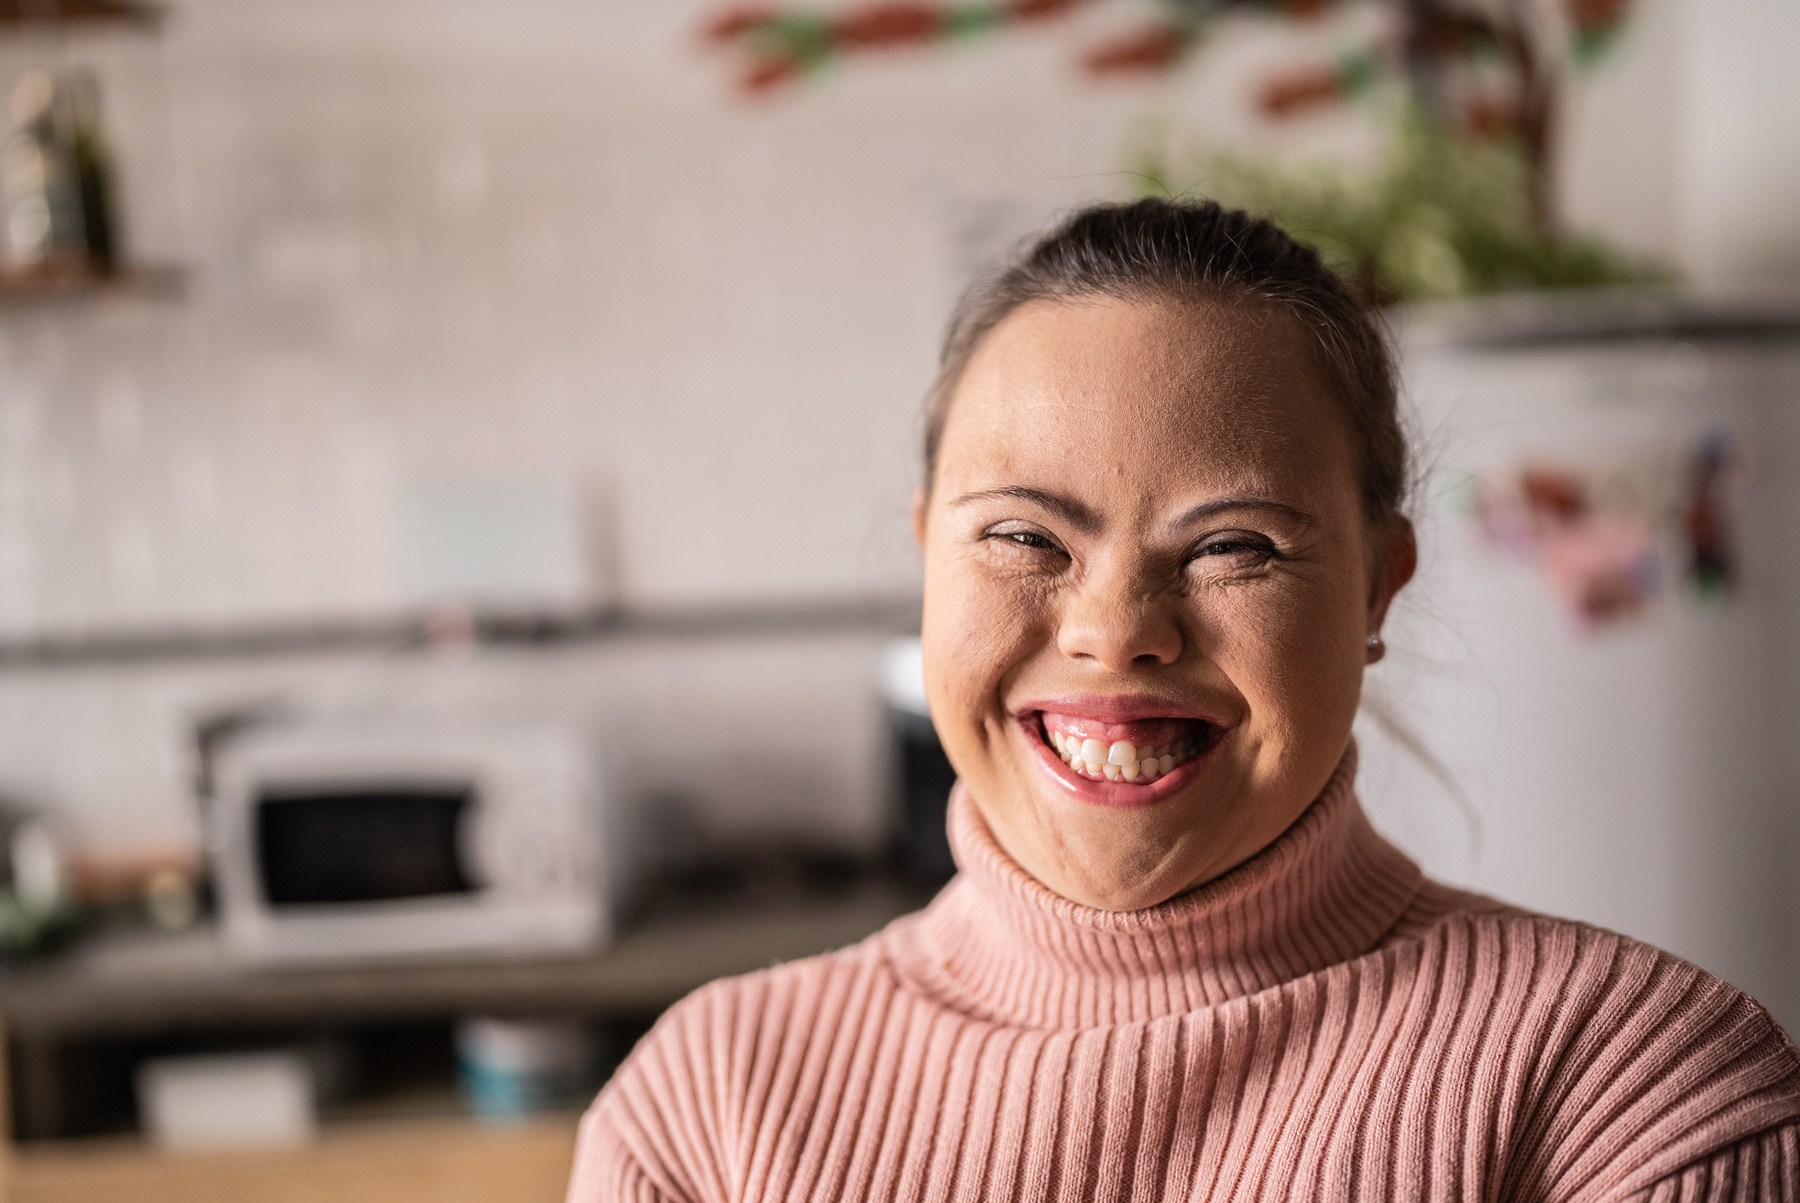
(781, 735)
(534, 245)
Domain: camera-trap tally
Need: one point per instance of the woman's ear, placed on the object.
(1396, 557)
(918, 515)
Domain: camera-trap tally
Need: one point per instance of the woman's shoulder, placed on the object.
(1619, 1050)
(748, 1011)
(669, 1109)
(1587, 975)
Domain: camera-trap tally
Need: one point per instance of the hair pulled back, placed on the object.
(1199, 251)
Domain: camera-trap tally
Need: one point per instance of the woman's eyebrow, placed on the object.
(1070, 511)
(1220, 505)
(1084, 519)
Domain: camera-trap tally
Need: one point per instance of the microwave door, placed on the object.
(362, 843)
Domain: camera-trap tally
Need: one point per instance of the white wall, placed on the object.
(1685, 142)
(1620, 155)
(1739, 129)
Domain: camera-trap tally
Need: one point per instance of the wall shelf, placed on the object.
(155, 282)
(144, 985)
(16, 15)
(897, 615)
(1594, 318)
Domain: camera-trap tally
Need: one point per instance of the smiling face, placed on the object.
(1149, 588)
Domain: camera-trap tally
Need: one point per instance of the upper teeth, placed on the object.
(1121, 760)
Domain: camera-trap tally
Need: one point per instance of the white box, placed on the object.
(233, 1100)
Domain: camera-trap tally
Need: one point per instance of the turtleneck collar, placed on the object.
(999, 945)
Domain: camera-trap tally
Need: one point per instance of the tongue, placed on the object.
(1145, 732)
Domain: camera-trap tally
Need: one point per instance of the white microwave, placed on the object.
(393, 838)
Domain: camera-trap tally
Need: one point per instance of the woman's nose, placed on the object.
(1118, 626)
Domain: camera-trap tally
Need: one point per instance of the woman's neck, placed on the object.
(1000, 945)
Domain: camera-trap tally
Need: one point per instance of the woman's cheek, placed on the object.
(982, 629)
(1285, 651)
(995, 621)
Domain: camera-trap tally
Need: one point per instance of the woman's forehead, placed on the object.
(1208, 395)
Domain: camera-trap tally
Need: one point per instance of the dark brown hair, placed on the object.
(1198, 251)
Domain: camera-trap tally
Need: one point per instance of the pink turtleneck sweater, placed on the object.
(1320, 1023)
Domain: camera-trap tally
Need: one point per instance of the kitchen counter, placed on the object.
(143, 984)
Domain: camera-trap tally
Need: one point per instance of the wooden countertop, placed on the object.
(447, 1161)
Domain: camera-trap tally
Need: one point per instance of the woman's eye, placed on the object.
(1026, 538)
(1240, 548)
(1032, 540)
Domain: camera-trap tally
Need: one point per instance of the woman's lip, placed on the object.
(1116, 708)
(1118, 794)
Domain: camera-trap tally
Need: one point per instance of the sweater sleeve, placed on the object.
(1764, 1168)
(606, 1172)
(660, 1130)
(1669, 1084)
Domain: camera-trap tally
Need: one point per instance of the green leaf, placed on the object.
(1440, 217)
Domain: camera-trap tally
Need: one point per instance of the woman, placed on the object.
(1162, 523)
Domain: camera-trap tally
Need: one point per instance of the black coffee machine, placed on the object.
(922, 775)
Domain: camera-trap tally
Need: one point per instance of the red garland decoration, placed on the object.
(765, 75)
(730, 24)
(785, 44)
(885, 26)
(1597, 16)
(1292, 92)
(1155, 49)
(1595, 23)
(1041, 10)
(1490, 117)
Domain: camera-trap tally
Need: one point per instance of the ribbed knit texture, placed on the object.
(1320, 1023)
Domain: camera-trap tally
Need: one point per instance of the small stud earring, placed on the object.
(1377, 649)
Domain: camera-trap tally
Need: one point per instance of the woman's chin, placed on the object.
(1110, 845)
(1107, 893)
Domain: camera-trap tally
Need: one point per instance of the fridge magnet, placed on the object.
(1603, 534)
(1601, 559)
(1605, 567)
(1715, 471)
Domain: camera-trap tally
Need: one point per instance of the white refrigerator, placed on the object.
(1591, 705)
